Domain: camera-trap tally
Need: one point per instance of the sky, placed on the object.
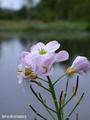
(13, 4)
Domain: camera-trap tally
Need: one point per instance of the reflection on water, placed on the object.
(15, 99)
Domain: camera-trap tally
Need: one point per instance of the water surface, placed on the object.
(15, 98)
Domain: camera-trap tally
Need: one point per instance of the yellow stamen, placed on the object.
(42, 51)
(70, 70)
(27, 71)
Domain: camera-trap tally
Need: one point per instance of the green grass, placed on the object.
(59, 29)
(41, 26)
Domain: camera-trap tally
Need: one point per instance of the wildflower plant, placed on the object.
(39, 61)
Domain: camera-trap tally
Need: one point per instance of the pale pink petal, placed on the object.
(20, 67)
(61, 56)
(78, 60)
(37, 47)
(81, 64)
(20, 79)
(39, 70)
(21, 73)
(47, 59)
(44, 64)
(52, 46)
(31, 60)
(22, 56)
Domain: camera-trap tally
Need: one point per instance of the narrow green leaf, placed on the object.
(33, 109)
(76, 105)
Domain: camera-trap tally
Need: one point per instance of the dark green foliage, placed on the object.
(52, 10)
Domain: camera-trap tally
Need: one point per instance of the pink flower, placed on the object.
(25, 72)
(79, 65)
(47, 50)
(41, 48)
(42, 57)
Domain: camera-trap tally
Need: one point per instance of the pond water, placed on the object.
(15, 99)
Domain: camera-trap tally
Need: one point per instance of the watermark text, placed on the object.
(13, 116)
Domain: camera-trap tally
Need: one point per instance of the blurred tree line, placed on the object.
(51, 10)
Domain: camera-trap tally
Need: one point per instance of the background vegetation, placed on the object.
(48, 19)
(51, 10)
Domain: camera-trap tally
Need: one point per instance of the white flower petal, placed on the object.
(61, 56)
(52, 46)
(79, 60)
(44, 63)
(81, 63)
(37, 47)
(22, 56)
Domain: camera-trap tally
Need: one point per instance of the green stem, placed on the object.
(42, 79)
(60, 106)
(41, 85)
(68, 100)
(47, 108)
(59, 78)
(62, 114)
(67, 119)
(50, 113)
(33, 109)
(76, 116)
(65, 95)
(66, 89)
(76, 105)
(75, 92)
(35, 118)
(41, 100)
(51, 86)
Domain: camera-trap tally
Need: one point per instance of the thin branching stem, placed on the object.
(43, 79)
(59, 79)
(76, 116)
(47, 108)
(68, 100)
(60, 105)
(33, 109)
(39, 84)
(41, 100)
(75, 92)
(76, 105)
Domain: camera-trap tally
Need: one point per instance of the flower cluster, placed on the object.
(40, 59)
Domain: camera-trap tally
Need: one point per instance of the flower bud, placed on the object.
(79, 65)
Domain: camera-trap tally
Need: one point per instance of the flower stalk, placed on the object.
(38, 62)
(54, 97)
